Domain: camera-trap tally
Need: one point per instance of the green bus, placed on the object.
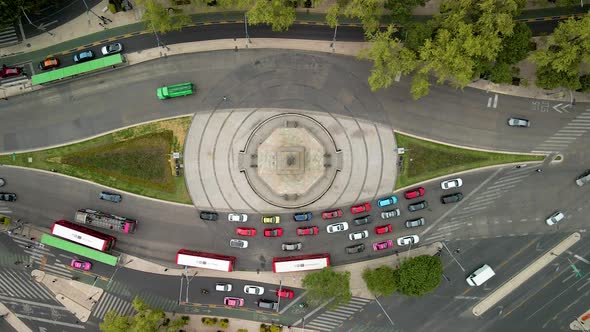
(79, 249)
(176, 90)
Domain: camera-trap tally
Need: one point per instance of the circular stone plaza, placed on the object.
(269, 160)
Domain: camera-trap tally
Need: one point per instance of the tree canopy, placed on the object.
(11, 10)
(327, 284)
(162, 19)
(146, 320)
(380, 281)
(419, 275)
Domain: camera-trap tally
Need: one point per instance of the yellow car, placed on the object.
(271, 219)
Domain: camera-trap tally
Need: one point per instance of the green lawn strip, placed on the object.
(135, 159)
(424, 160)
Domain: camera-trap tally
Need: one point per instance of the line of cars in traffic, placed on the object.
(82, 56)
(234, 301)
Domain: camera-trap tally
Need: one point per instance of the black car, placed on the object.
(452, 198)
(415, 223)
(268, 304)
(362, 220)
(7, 197)
(418, 206)
(208, 215)
(355, 249)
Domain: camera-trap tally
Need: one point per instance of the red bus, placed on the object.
(205, 260)
(300, 263)
(84, 236)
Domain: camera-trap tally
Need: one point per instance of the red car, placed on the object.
(414, 193)
(245, 231)
(332, 214)
(311, 230)
(10, 71)
(285, 293)
(365, 207)
(383, 229)
(273, 232)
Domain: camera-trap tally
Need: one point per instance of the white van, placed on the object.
(480, 276)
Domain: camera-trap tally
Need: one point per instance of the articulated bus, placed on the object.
(205, 260)
(300, 263)
(105, 220)
(84, 236)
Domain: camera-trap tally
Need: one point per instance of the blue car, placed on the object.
(383, 202)
(83, 56)
(304, 216)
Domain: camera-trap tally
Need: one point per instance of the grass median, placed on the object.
(424, 160)
(137, 159)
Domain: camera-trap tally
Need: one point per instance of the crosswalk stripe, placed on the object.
(328, 320)
(346, 311)
(335, 314)
(321, 328)
(354, 305)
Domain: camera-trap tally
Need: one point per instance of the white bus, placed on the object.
(205, 260)
(82, 235)
(300, 263)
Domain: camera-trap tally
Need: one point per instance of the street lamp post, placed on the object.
(117, 269)
(333, 43)
(280, 288)
(36, 26)
(246, 28)
(450, 253)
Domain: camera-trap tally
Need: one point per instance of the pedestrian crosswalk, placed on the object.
(8, 36)
(330, 320)
(38, 254)
(123, 306)
(18, 284)
(5, 210)
(566, 135)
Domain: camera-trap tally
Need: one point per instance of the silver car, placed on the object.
(406, 240)
(517, 122)
(358, 235)
(390, 214)
(555, 218)
(292, 246)
(111, 49)
(253, 290)
(337, 227)
(239, 217)
(580, 181)
(238, 243)
(415, 223)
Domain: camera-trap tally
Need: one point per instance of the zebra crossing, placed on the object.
(332, 319)
(38, 254)
(110, 302)
(484, 200)
(8, 36)
(119, 297)
(566, 135)
(18, 284)
(4, 209)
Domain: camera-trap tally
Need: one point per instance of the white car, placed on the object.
(238, 243)
(406, 240)
(337, 227)
(555, 218)
(2, 182)
(358, 235)
(453, 183)
(223, 287)
(239, 217)
(253, 290)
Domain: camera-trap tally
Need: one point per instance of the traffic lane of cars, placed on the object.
(70, 59)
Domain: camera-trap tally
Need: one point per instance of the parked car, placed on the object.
(406, 240)
(358, 235)
(415, 223)
(311, 230)
(111, 197)
(83, 56)
(49, 63)
(268, 304)
(355, 249)
(555, 218)
(383, 229)
(284, 293)
(80, 265)
(253, 290)
(337, 227)
(245, 231)
(453, 183)
(365, 207)
(111, 49)
(233, 301)
(362, 220)
(7, 197)
(413, 193)
(273, 232)
(293, 246)
(382, 245)
(583, 178)
(237, 243)
(208, 215)
(6, 71)
(452, 198)
(390, 214)
(303, 216)
(271, 219)
(223, 287)
(418, 206)
(383, 202)
(332, 214)
(518, 122)
(2, 182)
(238, 217)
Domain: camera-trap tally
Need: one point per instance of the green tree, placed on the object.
(567, 51)
(146, 320)
(367, 11)
(517, 46)
(401, 10)
(162, 19)
(380, 281)
(11, 10)
(419, 275)
(276, 13)
(327, 284)
(417, 33)
(501, 73)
